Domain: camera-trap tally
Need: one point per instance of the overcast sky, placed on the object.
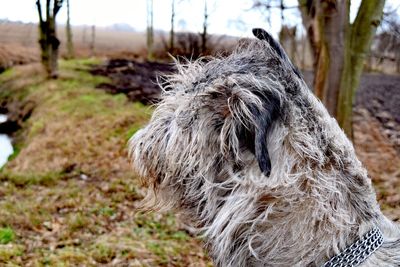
(232, 17)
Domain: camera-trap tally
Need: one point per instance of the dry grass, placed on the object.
(68, 198)
(17, 54)
(19, 43)
(381, 159)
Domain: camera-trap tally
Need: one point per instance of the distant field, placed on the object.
(19, 42)
(19, 45)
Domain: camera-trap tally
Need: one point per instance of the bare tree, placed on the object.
(84, 34)
(172, 32)
(268, 6)
(204, 33)
(287, 37)
(93, 41)
(150, 30)
(70, 45)
(388, 40)
(48, 40)
(339, 50)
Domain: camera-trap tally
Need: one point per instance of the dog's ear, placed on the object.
(263, 120)
(264, 35)
(253, 114)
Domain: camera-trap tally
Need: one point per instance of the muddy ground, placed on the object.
(379, 94)
(138, 80)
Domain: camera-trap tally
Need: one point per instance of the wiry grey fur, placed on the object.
(243, 149)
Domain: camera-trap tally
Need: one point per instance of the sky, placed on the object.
(230, 17)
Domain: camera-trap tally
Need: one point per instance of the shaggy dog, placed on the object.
(244, 151)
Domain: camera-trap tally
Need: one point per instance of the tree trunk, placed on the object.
(93, 41)
(360, 37)
(70, 45)
(339, 50)
(327, 30)
(48, 41)
(53, 49)
(84, 34)
(204, 33)
(287, 38)
(172, 32)
(150, 32)
(308, 13)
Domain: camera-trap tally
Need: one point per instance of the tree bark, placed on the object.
(93, 41)
(70, 45)
(327, 23)
(172, 32)
(287, 38)
(360, 37)
(204, 33)
(150, 31)
(48, 40)
(339, 50)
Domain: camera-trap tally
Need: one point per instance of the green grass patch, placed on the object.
(159, 250)
(131, 131)
(7, 74)
(6, 235)
(70, 182)
(28, 178)
(180, 236)
(77, 221)
(103, 253)
(85, 63)
(9, 252)
(107, 211)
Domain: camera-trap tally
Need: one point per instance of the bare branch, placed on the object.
(48, 10)
(269, 5)
(39, 8)
(57, 6)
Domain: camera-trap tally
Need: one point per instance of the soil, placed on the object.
(379, 94)
(138, 80)
(18, 112)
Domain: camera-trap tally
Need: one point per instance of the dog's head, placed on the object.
(216, 116)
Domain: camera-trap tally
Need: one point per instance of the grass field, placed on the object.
(68, 196)
(19, 42)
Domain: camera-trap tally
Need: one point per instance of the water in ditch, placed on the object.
(6, 148)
